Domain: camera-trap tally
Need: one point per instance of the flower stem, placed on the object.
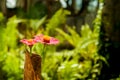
(30, 49)
(43, 52)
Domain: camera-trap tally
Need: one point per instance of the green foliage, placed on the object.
(35, 23)
(36, 11)
(86, 46)
(73, 38)
(82, 62)
(1, 16)
(10, 59)
(58, 19)
(11, 31)
(2, 42)
(12, 66)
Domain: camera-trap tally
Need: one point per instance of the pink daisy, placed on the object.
(46, 39)
(29, 42)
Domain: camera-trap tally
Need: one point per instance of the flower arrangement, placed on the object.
(32, 66)
(44, 39)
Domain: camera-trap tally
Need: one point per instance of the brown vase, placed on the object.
(32, 67)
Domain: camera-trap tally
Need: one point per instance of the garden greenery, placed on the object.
(82, 62)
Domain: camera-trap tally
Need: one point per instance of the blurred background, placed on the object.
(88, 31)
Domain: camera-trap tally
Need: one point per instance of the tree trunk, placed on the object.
(110, 39)
(3, 7)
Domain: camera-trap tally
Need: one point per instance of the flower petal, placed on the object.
(28, 42)
(42, 39)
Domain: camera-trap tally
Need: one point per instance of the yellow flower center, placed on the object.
(30, 40)
(46, 39)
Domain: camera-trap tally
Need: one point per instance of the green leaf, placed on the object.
(35, 24)
(57, 20)
(66, 36)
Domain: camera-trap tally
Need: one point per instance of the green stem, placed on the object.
(30, 49)
(43, 52)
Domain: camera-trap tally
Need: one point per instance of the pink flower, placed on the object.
(29, 42)
(46, 39)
